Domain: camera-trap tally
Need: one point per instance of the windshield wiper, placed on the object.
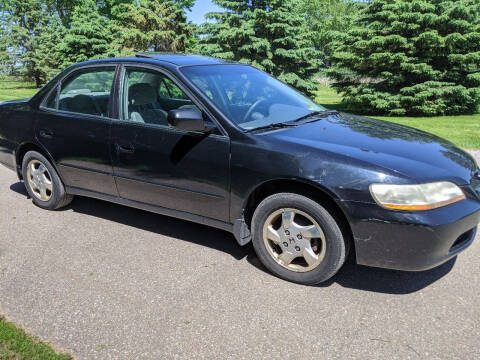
(272, 126)
(317, 114)
(314, 114)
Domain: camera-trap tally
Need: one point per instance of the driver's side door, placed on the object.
(158, 165)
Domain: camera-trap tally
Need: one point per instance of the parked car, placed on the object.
(228, 146)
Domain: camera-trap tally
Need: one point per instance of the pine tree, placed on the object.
(412, 58)
(90, 35)
(29, 38)
(270, 35)
(155, 25)
(46, 54)
(112, 9)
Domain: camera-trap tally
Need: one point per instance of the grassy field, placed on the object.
(16, 344)
(12, 89)
(464, 130)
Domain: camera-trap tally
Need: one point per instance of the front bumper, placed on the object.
(412, 241)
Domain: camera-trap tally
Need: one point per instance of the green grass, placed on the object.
(16, 344)
(329, 98)
(12, 89)
(463, 130)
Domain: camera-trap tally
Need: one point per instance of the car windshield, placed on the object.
(249, 97)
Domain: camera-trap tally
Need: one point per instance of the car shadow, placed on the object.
(19, 188)
(350, 276)
(163, 225)
(354, 276)
(387, 281)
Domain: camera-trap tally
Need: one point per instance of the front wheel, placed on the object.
(297, 239)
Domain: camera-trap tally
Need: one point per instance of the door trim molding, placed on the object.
(84, 169)
(164, 185)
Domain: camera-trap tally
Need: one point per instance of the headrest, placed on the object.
(83, 104)
(141, 94)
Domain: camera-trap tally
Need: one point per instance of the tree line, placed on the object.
(394, 57)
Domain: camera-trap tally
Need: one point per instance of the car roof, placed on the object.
(181, 59)
(176, 59)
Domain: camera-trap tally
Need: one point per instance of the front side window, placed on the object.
(87, 91)
(249, 97)
(149, 95)
(168, 89)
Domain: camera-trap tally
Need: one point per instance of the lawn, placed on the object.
(16, 344)
(463, 130)
(13, 89)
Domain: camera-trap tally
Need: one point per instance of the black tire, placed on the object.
(335, 252)
(59, 198)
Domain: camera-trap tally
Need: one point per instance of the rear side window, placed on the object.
(87, 91)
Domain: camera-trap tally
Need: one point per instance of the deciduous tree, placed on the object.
(63, 8)
(327, 17)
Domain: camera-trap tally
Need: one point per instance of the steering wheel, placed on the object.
(253, 107)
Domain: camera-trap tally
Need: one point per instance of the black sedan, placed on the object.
(226, 145)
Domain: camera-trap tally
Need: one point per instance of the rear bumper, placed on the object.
(412, 241)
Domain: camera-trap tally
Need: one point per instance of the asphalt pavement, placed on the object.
(103, 281)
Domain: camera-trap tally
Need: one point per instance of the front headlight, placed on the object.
(416, 197)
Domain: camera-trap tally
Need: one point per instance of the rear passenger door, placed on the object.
(73, 124)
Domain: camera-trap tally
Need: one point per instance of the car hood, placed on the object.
(406, 151)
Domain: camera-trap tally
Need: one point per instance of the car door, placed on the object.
(156, 164)
(73, 124)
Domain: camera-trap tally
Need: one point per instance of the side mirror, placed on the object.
(186, 119)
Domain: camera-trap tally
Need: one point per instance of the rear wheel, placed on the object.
(43, 183)
(297, 239)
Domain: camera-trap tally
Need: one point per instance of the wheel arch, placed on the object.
(25, 147)
(309, 189)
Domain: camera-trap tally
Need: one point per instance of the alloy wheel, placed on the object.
(39, 180)
(294, 239)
